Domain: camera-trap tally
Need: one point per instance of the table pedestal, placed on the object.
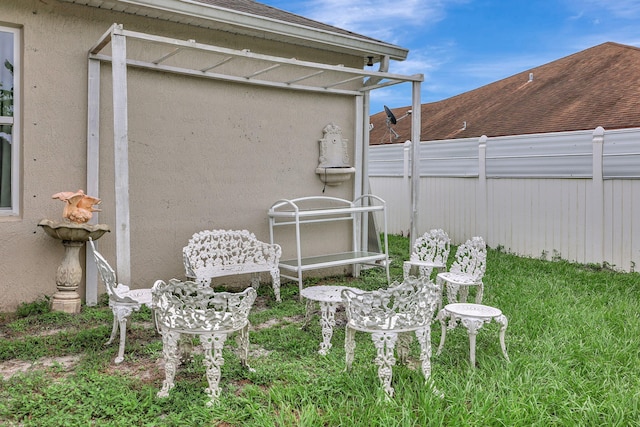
(329, 297)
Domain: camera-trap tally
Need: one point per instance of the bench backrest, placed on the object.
(222, 249)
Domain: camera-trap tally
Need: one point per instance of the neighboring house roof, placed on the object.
(595, 87)
(251, 18)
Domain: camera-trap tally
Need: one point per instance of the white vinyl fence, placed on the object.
(570, 195)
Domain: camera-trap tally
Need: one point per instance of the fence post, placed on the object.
(481, 194)
(596, 247)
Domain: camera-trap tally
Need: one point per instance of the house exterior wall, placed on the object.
(568, 195)
(202, 154)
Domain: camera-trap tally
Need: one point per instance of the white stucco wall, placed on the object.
(202, 154)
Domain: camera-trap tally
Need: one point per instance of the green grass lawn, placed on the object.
(573, 339)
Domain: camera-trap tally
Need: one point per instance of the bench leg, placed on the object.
(275, 278)
(255, 280)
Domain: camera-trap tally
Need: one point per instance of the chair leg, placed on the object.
(464, 293)
(114, 329)
(385, 343)
(424, 338)
(171, 359)
(442, 317)
(404, 341)
(275, 277)
(213, 361)
(349, 346)
(243, 345)
(452, 292)
(442, 285)
(425, 271)
(120, 316)
(406, 269)
(480, 293)
(503, 322)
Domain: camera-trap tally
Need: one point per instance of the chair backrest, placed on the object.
(471, 258)
(405, 305)
(186, 305)
(432, 246)
(108, 276)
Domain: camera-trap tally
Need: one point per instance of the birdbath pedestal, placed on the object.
(69, 272)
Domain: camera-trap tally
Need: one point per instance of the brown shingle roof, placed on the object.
(254, 8)
(599, 86)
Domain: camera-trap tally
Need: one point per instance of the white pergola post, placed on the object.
(121, 154)
(362, 164)
(93, 167)
(415, 159)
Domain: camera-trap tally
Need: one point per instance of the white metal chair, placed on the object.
(467, 270)
(389, 315)
(189, 308)
(122, 300)
(431, 250)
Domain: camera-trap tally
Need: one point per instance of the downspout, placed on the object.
(384, 67)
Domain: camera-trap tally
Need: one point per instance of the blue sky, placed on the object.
(460, 45)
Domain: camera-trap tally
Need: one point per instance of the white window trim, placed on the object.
(15, 121)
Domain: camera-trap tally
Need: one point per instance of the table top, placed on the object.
(472, 310)
(324, 293)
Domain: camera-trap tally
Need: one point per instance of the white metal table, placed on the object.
(329, 297)
(472, 317)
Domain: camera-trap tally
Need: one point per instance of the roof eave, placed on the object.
(218, 18)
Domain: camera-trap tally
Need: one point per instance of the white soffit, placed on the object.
(217, 18)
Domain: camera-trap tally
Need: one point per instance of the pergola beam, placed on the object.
(117, 36)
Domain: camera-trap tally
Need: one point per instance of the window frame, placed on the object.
(15, 123)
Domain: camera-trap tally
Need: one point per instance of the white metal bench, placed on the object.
(217, 253)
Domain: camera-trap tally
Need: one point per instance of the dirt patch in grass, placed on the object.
(62, 364)
(147, 370)
(278, 321)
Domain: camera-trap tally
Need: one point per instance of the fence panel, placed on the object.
(570, 195)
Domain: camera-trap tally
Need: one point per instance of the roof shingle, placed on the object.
(255, 8)
(599, 86)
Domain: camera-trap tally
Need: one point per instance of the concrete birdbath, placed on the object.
(73, 231)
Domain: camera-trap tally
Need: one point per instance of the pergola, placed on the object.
(221, 64)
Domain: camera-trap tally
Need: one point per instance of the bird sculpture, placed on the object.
(78, 206)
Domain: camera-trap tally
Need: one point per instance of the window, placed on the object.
(9, 124)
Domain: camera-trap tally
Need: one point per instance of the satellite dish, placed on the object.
(390, 117)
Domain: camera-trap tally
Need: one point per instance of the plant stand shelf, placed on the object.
(321, 209)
